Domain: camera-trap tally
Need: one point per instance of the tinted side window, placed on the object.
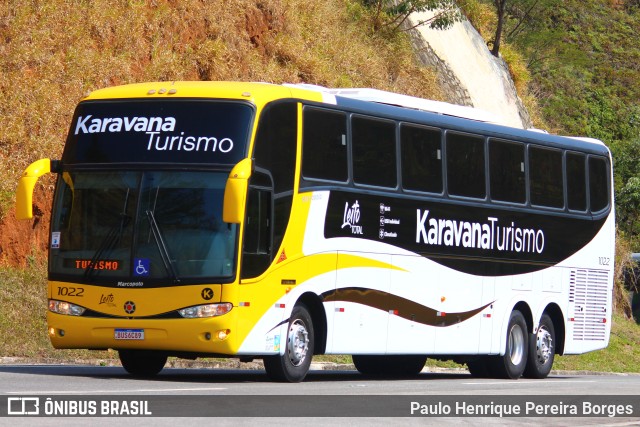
(576, 182)
(506, 171)
(545, 174)
(421, 154)
(465, 165)
(275, 146)
(324, 145)
(256, 249)
(374, 152)
(598, 179)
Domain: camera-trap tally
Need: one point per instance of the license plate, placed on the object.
(129, 334)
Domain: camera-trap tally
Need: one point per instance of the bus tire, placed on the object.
(294, 364)
(142, 363)
(392, 365)
(514, 361)
(541, 350)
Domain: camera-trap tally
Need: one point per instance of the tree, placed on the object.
(393, 14)
(500, 9)
(520, 18)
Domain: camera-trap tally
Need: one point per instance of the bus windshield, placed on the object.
(139, 228)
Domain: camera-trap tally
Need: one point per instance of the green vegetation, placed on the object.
(392, 15)
(622, 354)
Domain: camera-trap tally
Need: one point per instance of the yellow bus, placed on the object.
(275, 222)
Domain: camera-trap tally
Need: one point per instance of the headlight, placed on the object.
(206, 310)
(63, 307)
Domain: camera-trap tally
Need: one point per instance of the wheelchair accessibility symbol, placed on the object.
(141, 267)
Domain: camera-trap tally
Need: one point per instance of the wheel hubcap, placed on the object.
(544, 345)
(516, 344)
(298, 342)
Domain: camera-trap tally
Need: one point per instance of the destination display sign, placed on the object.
(159, 131)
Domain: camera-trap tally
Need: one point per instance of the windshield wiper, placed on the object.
(111, 239)
(162, 246)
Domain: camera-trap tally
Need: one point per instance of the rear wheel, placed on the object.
(541, 350)
(392, 365)
(514, 361)
(142, 363)
(294, 364)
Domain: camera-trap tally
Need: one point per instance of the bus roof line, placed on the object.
(437, 107)
(391, 98)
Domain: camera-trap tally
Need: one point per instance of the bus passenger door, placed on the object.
(361, 310)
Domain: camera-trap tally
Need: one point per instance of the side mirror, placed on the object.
(24, 193)
(235, 192)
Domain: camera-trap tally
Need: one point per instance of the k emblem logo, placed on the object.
(207, 294)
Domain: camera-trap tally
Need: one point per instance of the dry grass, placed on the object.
(56, 51)
(482, 16)
(23, 322)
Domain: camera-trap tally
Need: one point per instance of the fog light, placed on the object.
(61, 332)
(223, 334)
(207, 336)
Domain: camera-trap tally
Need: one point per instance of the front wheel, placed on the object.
(294, 364)
(142, 363)
(514, 361)
(541, 350)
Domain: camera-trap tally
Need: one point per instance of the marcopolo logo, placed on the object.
(488, 235)
(157, 129)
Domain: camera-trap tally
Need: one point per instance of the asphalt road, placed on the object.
(248, 393)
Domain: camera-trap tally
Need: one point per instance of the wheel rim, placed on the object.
(298, 342)
(544, 345)
(516, 344)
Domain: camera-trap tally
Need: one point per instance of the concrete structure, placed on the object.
(468, 71)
